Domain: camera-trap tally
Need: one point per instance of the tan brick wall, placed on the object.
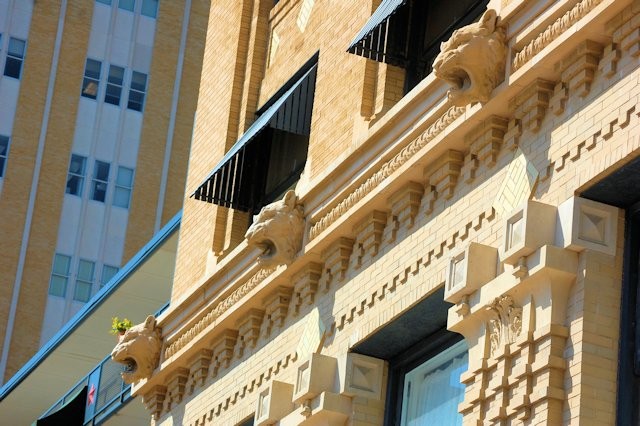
(155, 126)
(572, 149)
(17, 185)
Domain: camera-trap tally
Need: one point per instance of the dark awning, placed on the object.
(289, 111)
(372, 41)
(71, 413)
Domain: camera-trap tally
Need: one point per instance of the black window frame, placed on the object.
(408, 360)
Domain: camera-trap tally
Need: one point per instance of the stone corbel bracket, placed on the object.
(541, 294)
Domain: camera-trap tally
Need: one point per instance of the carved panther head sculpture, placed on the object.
(277, 231)
(473, 60)
(138, 350)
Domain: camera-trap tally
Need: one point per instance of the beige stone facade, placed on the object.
(470, 214)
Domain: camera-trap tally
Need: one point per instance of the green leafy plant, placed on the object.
(120, 326)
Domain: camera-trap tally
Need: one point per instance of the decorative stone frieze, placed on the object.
(526, 229)
(222, 349)
(336, 262)
(276, 308)
(385, 171)
(586, 224)
(179, 342)
(248, 331)
(530, 105)
(473, 60)
(627, 33)
(577, 70)
(277, 231)
(368, 237)
(139, 350)
(305, 287)
(553, 31)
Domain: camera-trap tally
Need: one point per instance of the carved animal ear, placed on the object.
(488, 20)
(290, 198)
(150, 322)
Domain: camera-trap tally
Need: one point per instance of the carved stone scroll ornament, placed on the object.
(139, 350)
(473, 60)
(277, 231)
(505, 323)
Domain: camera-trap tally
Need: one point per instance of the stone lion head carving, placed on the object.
(138, 350)
(277, 231)
(473, 60)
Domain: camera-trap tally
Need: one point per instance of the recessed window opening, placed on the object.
(114, 85)
(91, 81)
(84, 280)
(108, 272)
(100, 181)
(75, 177)
(270, 156)
(137, 91)
(408, 33)
(59, 275)
(124, 184)
(4, 153)
(15, 58)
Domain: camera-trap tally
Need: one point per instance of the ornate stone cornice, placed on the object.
(553, 31)
(385, 171)
(184, 338)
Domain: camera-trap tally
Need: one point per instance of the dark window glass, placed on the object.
(4, 152)
(149, 8)
(127, 4)
(100, 181)
(114, 85)
(15, 57)
(137, 91)
(91, 80)
(75, 178)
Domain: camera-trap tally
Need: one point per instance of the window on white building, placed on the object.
(114, 85)
(15, 58)
(137, 91)
(59, 275)
(149, 8)
(75, 178)
(107, 2)
(108, 272)
(4, 152)
(127, 4)
(91, 80)
(84, 280)
(124, 183)
(100, 181)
